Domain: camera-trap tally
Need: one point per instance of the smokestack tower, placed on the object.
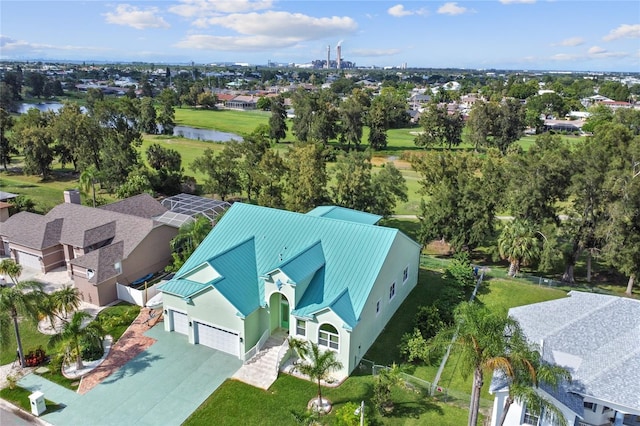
(328, 56)
(339, 56)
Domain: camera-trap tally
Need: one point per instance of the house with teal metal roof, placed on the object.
(331, 276)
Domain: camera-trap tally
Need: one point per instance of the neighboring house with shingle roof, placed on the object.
(597, 338)
(120, 242)
(331, 276)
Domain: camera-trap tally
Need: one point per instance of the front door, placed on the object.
(284, 313)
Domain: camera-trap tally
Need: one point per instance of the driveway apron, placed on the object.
(163, 385)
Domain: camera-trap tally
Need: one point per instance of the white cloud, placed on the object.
(517, 1)
(399, 11)
(22, 47)
(199, 8)
(373, 52)
(452, 9)
(623, 31)
(231, 44)
(293, 26)
(570, 42)
(139, 19)
(599, 52)
(564, 57)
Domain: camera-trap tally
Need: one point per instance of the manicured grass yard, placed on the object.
(237, 403)
(238, 122)
(31, 340)
(20, 397)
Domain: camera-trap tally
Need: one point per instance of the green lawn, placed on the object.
(238, 122)
(238, 403)
(31, 338)
(45, 195)
(20, 398)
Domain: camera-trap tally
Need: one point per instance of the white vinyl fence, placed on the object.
(137, 297)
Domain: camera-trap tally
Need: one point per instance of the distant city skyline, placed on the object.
(560, 35)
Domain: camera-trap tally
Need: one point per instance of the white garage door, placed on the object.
(217, 338)
(29, 260)
(180, 322)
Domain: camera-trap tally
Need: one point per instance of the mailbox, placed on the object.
(38, 405)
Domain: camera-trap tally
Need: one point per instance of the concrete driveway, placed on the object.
(163, 385)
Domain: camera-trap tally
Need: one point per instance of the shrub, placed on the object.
(460, 272)
(428, 320)
(12, 381)
(349, 415)
(91, 349)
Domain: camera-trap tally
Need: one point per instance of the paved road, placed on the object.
(7, 418)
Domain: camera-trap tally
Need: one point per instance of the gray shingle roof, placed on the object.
(597, 337)
(102, 261)
(82, 226)
(32, 230)
(142, 205)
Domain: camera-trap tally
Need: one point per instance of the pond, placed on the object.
(50, 106)
(182, 131)
(205, 134)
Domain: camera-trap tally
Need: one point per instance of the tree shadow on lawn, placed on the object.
(414, 409)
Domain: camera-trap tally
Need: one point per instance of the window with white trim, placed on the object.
(405, 274)
(378, 305)
(328, 337)
(392, 291)
(530, 418)
(301, 327)
(90, 273)
(118, 267)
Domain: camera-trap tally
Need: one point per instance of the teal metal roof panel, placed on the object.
(239, 283)
(304, 264)
(342, 213)
(354, 252)
(182, 288)
(343, 307)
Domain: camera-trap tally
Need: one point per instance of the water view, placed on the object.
(182, 131)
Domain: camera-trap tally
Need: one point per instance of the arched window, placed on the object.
(328, 336)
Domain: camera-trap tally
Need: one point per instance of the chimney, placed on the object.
(339, 56)
(72, 196)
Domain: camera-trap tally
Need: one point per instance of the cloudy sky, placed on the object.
(583, 35)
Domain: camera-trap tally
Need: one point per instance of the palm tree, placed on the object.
(88, 179)
(11, 269)
(60, 303)
(518, 244)
(479, 335)
(529, 371)
(188, 239)
(73, 331)
(66, 299)
(316, 364)
(21, 300)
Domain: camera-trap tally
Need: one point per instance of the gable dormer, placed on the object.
(202, 274)
(292, 276)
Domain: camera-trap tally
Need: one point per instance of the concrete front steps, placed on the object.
(262, 370)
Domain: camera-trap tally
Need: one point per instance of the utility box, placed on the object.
(38, 406)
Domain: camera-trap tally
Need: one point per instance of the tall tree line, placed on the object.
(567, 201)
